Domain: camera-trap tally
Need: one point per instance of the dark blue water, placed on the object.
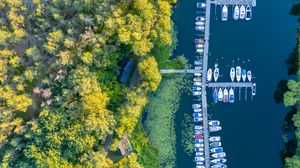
(252, 130)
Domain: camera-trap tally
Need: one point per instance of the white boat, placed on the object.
(220, 95)
(199, 50)
(200, 166)
(244, 75)
(197, 159)
(238, 73)
(232, 74)
(226, 96)
(221, 160)
(231, 95)
(197, 110)
(196, 93)
(216, 74)
(209, 74)
(214, 123)
(224, 13)
(249, 76)
(242, 12)
(197, 79)
(215, 138)
(219, 165)
(196, 106)
(254, 89)
(215, 144)
(199, 46)
(199, 18)
(197, 74)
(248, 12)
(199, 23)
(199, 145)
(197, 83)
(219, 155)
(214, 128)
(199, 127)
(236, 13)
(199, 153)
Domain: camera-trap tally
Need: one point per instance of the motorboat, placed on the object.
(249, 75)
(219, 155)
(224, 13)
(238, 73)
(199, 163)
(199, 145)
(196, 93)
(199, 149)
(197, 110)
(197, 132)
(199, 46)
(236, 13)
(242, 12)
(254, 89)
(209, 74)
(199, 28)
(197, 159)
(248, 12)
(225, 99)
(199, 18)
(232, 74)
(215, 144)
(199, 127)
(220, 95)
(214, 123)
(200, 166)
(197, 84)
(197, 74)
(197, 114)
(199, 140)
(201, 5)
(199, 50)
(216, 74)
(214, 128)
(197, 62)
(199, 41)
(220, 160)
(216, 150)
(198, 136)
(244, 75)
(215, 95)
(214, 138)
(231, 95)
(198, 119)
(196, 106)
(199, 23)
(219, 165)
(195, 88)
(197, 79)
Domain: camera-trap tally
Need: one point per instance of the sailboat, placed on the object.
(209, 74)
(225, 99)
(232, 74)
(231, 95)
(216, 74)
(244, 75)
(215, 95)
(249, 76)
(236, 13)
(242, 12)
(220, 95)
(238, 72)
(224, 13)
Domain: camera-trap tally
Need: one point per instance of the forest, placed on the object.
(60, 96)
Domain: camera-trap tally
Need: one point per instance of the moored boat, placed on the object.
(197, 110)
(236, 13)
(225, 99)
(224, 13)
(209, 74)
(220, 95)
(216, 74)
(214, 123)
(219, 155)
(244, 75)
(196, 93)
(197, 114)
(238, 73)
(215, 144)
(196, 106)
(248, 12)
(199, 149)
(220, 160)
(196, 88)
(231, 95)
(254, 89)
(215, 95)
(232, 74)
(219, 165)
(216, 150)
(199, 153)
(214, 138)
(197, 159)
(214, 128)
(249, 75)
(242, 12)
(198, 127)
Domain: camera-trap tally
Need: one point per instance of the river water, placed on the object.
(252, 130)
